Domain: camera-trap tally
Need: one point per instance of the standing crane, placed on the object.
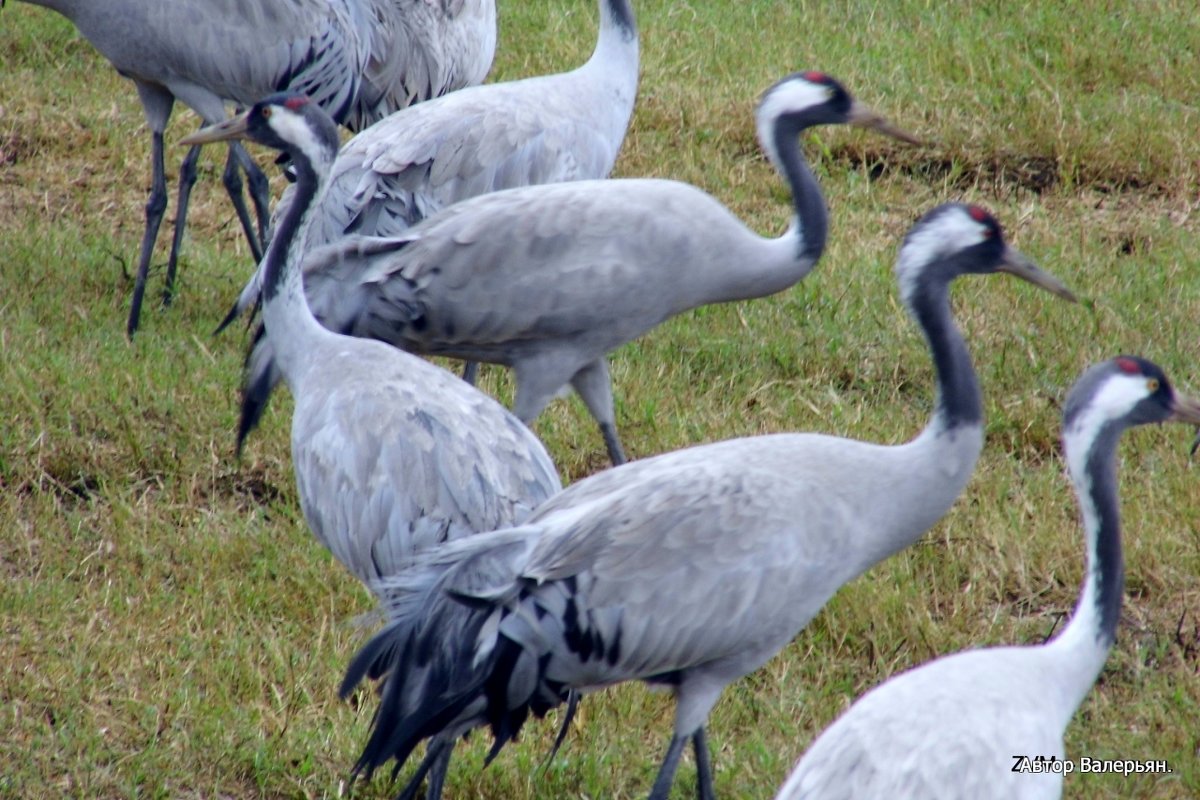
(952, 727)
(552, 128)
(392, 454)
(359, 59)
(689, 569)
(549, 279)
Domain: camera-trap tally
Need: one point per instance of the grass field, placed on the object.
(168, 626)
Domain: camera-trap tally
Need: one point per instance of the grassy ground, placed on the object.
(169, 628)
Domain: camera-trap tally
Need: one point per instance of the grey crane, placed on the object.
(359, 59)
(549, 279)
(562, 127)
(689, 569)
(953, 727)
(391, 453)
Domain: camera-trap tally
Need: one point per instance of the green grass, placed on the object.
(168, 626)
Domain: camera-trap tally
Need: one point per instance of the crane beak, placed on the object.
(861, 116)
(1014, 262)
(1186, 409)
(233, 128)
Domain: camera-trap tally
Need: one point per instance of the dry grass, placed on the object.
(170, 629)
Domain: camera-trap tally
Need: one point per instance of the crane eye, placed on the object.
(266, 112)
(1152, 384)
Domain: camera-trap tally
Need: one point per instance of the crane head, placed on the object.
(286, 121)
(803, 99)
(958, 239)
(1123, 392)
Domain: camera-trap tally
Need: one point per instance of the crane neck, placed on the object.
(286, 314)
(811, 225)
(1083, 645)
(618, 26)
(616, 53)
(774, 264)
(600, 93)
(959, 402)
(927, 474)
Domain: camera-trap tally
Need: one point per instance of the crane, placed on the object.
(689, 569)
(548, 279)
(562, 127)
(953, 727)
(392, 454)
(360, 59)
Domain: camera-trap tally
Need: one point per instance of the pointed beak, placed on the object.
(1185, 409)
(861, 116)
(1014, 262)
(234, 128)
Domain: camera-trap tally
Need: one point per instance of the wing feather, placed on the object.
(420, 473)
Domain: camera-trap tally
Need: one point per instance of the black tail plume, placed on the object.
(256, 393)
(448, 666)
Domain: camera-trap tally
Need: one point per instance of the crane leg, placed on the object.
(233, 185)
(187, 179)
(156, 206)
(594, 386)
(704, 782)
(470, 372)
(666, 773)
(260, 189)
(616, 453)
(536, 385)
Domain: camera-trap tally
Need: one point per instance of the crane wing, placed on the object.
(424, 158)
(663, 554)
(421, 50)
(420, 473)
(594, 257)
(241, 50)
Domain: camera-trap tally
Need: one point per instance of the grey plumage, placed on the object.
(563, 127)
(419, 50)
(392, 454)
(359, 59)
(689, 569)
(546, 129)
(953, 727)
(549, 279)
(385, 444)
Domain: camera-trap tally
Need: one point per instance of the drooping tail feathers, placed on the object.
(260, 377)
(466, 645)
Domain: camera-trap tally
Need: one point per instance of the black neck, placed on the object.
(288, 227)
(959, 401)
(1106, 566)
(622, 14)
(811, 214)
